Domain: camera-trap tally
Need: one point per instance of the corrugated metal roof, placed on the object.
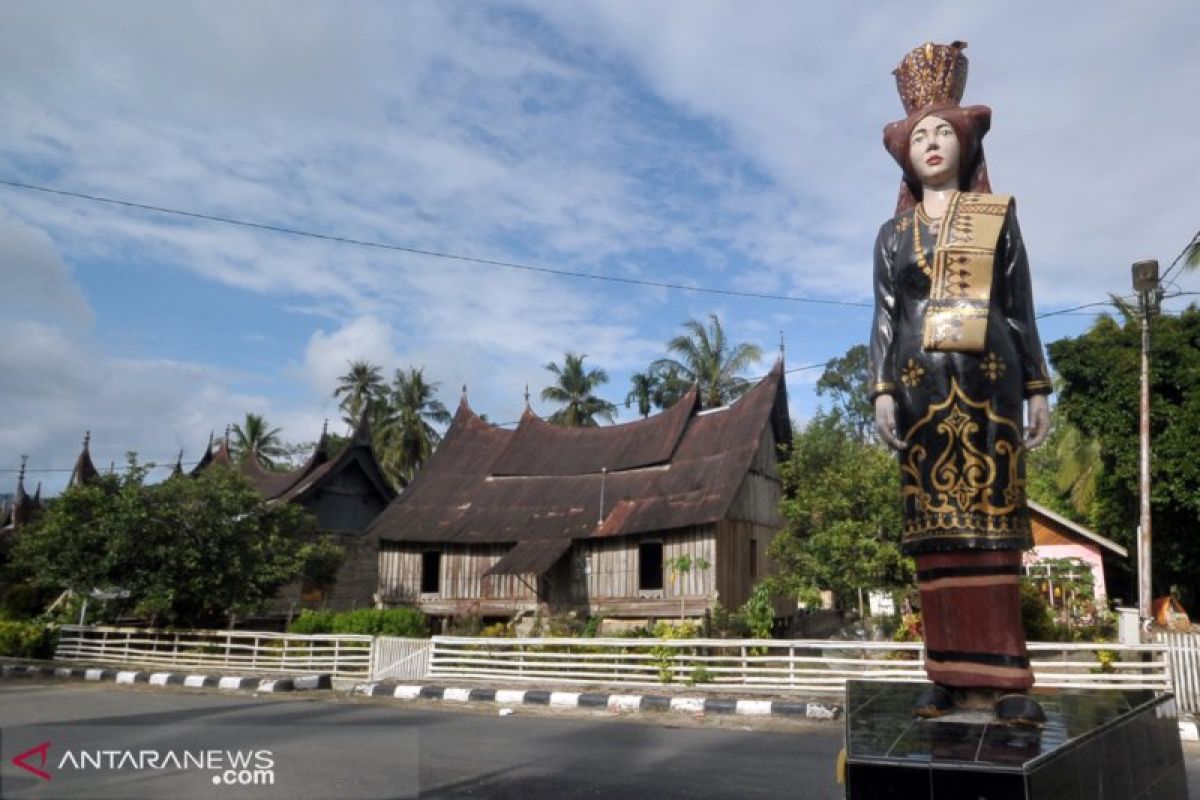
(538, 447)
(459, 496)
(530, 557)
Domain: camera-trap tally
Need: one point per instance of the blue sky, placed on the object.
(732, 145)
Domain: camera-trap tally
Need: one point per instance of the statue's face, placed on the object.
(933, 152)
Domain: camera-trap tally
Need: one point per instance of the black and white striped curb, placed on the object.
(254, 683)
(616, 703)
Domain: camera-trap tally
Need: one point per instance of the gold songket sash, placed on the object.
(963, 260)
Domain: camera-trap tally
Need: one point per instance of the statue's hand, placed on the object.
(1038, 412)
(885, 421)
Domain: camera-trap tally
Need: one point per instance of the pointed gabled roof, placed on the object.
(205, 459)
(680, 468)
(85, 471)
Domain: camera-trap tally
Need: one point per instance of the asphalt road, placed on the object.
(348, 749)
(355, 748)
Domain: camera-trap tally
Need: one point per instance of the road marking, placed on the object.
(510, 696)
(407, 692)
(457, 695)
(753, 707)
(690, 705)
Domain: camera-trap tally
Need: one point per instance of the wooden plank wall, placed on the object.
(758, 498)
(607, 569)
(461, 573)
(735, 577)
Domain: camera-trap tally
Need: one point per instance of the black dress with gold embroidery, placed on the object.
(960, 413)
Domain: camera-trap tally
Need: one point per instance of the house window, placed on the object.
(431, 572)
(650, 566)
(754, 558)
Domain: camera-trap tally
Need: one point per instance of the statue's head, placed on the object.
(931, 80)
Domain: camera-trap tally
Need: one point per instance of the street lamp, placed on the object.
(1145, 283)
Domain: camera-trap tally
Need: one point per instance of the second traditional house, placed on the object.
(592, 520)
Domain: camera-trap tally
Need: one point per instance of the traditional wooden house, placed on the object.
(592, 520)
(345, 493)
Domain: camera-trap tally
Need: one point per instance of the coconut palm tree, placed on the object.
(705, 357)
(573, 388)
(361, 387)
(255, 438)
(643, 387)
(406, 438)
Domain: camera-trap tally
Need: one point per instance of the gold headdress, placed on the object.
(932, 74)
(931, 79)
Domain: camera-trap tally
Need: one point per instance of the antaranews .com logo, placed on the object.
(227, 767)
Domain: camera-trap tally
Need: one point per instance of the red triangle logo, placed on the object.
(42, 751)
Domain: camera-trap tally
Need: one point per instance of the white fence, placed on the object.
(396, 658)
(340, 655)
(1185, 666)
(798, 665)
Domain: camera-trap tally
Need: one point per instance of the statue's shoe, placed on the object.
(1020, 709)
(933, 701)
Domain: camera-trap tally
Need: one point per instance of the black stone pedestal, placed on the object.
(1097, 743)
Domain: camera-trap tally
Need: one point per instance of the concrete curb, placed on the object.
(226, 682)
(614, 703)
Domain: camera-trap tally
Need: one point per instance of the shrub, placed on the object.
(27, 640)
(1036, 615)
(403, 621)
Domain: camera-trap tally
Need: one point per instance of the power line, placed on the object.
(493, 262)
(566, 273)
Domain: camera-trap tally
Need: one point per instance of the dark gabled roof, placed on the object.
(85, 471)
(538, 447)
(359, 448)
(299, 483)
(461, 496)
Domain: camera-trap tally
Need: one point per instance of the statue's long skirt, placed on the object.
(971, 612)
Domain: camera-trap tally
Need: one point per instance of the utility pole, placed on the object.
(1145, 283)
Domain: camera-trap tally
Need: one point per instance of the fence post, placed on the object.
(254, 653)
(792, 665)
(371, 658)
(337, 654)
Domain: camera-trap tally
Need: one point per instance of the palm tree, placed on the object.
(671, 385)
(573, 388)
(643, 389)
(362, 386)
(405, 437)
(1079, 465)
(707, 359)
(255, 438)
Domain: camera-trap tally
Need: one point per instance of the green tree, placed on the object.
(574, 389)
(845, 379)
(188, 552)
(842, 516)
(643, 386)
(361, 388)
(254, 438)
(1062, 473)
(706, 358)
(1100, 373)
(670, 386)
(406, 435)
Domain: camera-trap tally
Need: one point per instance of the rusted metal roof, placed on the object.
(460, 496)
(530, 557)
(538, 447)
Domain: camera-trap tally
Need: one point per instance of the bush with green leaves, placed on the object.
(403, 621)
(27, 639)
(188, 551)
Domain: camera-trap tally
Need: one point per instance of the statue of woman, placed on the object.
(955, 361)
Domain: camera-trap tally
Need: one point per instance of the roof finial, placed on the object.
(21, 475)
(325, 427)
(87, 439)
(464, 392)
(527, 396)
(781, 350)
